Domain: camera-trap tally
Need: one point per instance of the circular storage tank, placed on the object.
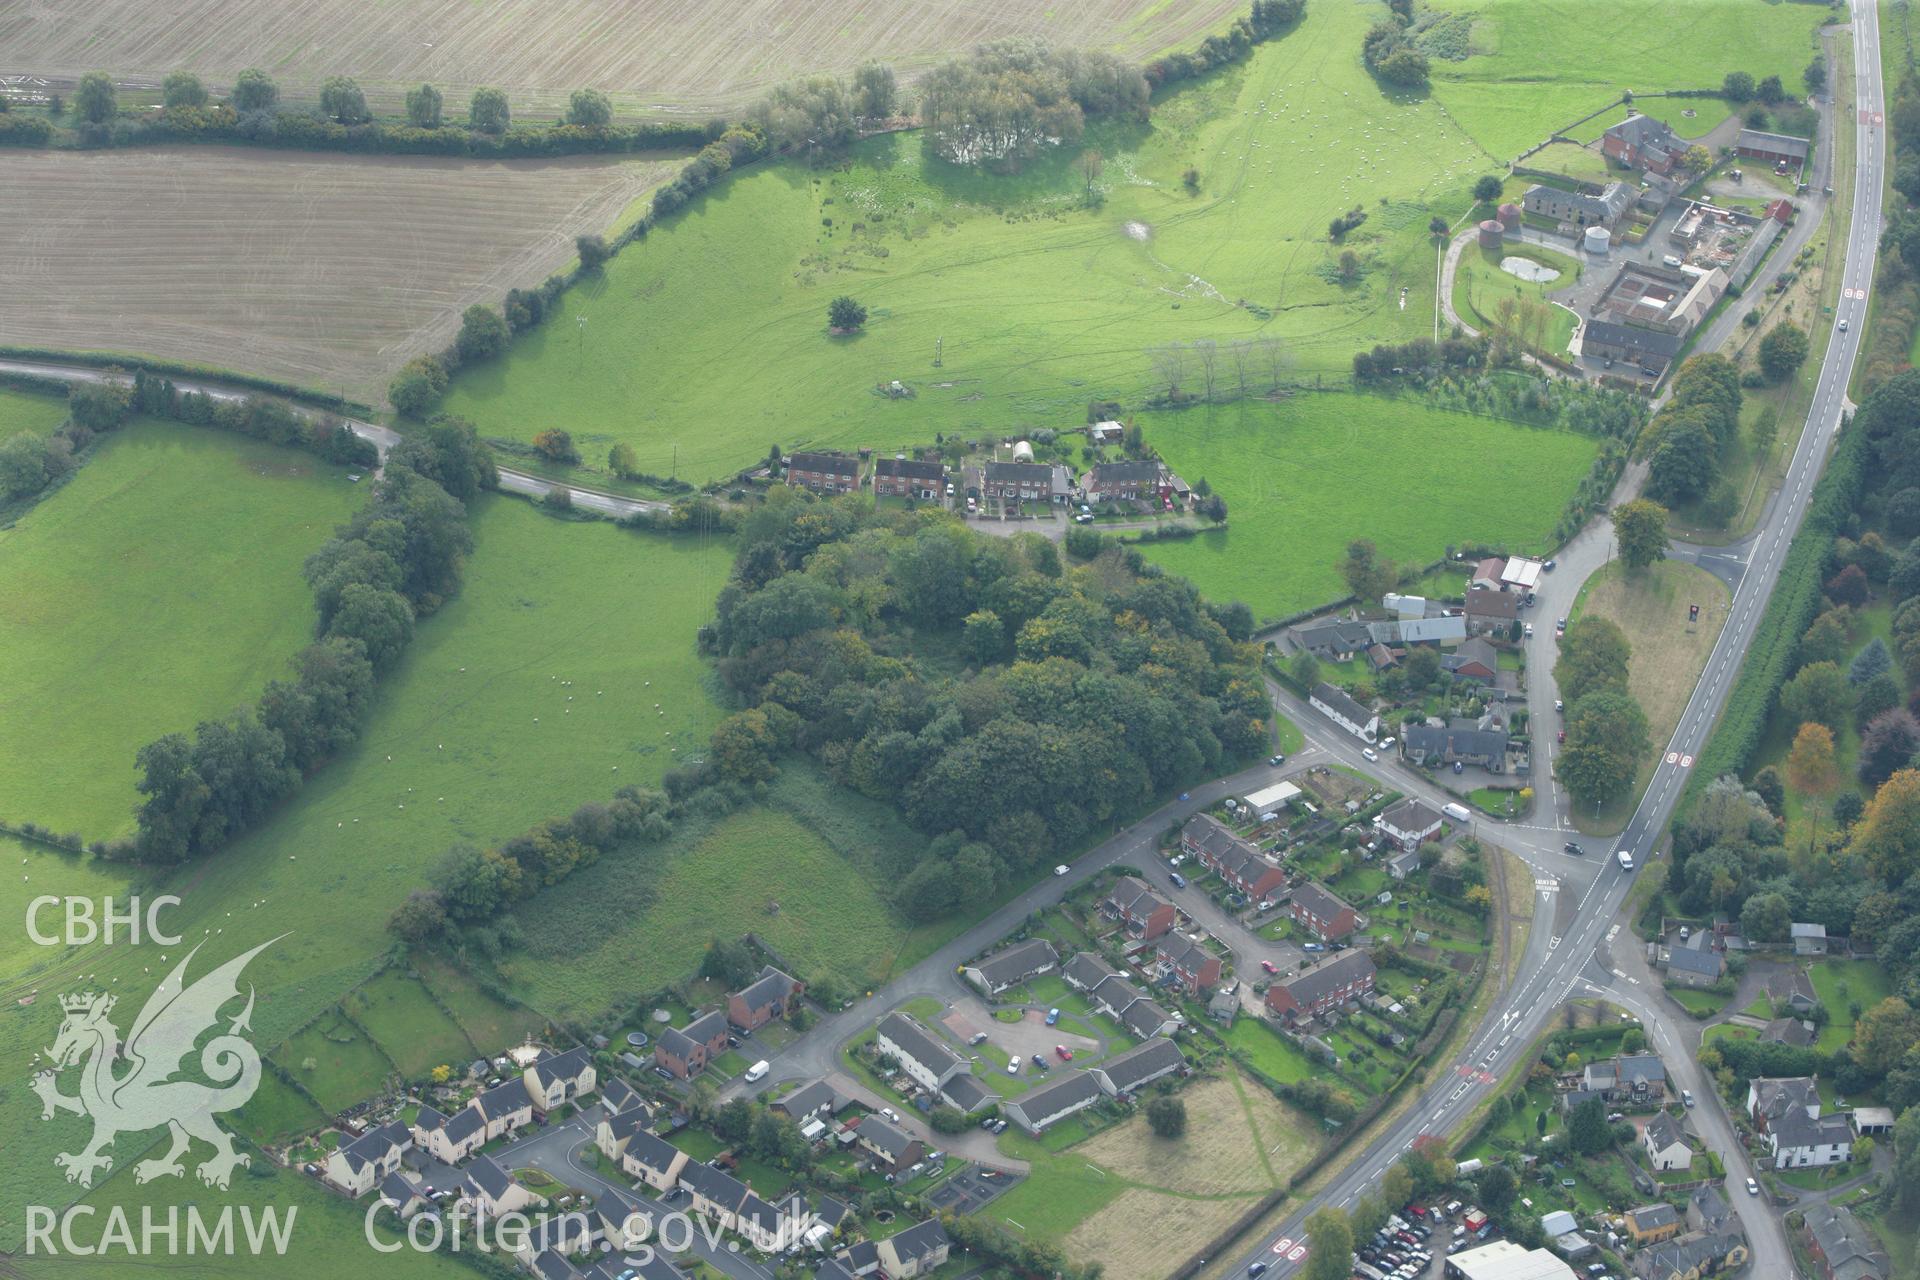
(1599, 240)
(1490, 232)
(1510, 216)
(1023, 452)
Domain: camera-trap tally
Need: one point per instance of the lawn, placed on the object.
(643, 919)
(1480, 282)
(1577, 162)
(137, 603)
(1268, 1053)
(1650, 606)
(489, 1024)
(34, 412)
(1302, 478)
(471, 738)
(1701, 1004)
(1037, 301)
(1842, 985)
(405, 1022)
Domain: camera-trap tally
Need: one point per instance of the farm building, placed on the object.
(1106, 433)
(1808, 939)
(1674, 300)
(1772, 148)
(1489, 233)
(1649, 349)
(1580, 208)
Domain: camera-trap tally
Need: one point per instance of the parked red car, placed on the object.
(1066, 1054)
(1269, 966)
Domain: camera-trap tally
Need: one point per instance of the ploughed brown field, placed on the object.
(670, 56)
(326, 270)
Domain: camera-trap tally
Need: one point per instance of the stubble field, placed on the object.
(664, 56)
(329, 271)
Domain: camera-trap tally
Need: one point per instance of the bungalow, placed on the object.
(1139, 1067)
(489, 1191)
(892, 1147)
(815, 1098)
(1037, 1108)
(1408, 824)
(1630, 1077)
(1208, 841)
(916, 1251)
(1797, 1032)
(505, 1108)
(926, 1059)
(1652, 1223)
(1692, 1256)
(1771, 148)
(1641, 142)
(904, 477)
(1666, 1145)
(399, 1194)
(1322, 914)
(1801, 1141)
(967, 1093)
(824, 472)
(1027, 482)
(1344, 711)
(1790, 990)
(450, 1139)
(1843, 1248)
(555, 1079)
(1325, 986)
(1693, 966)
(1188, 962)
(1475, 660)
(1808, 939)
(362, 1164)
(1120, 999)
(1491, 612)
(686, 1051)
(771, 995)
(1011, 966)
(716, 1195)
(1085, 970)
(1143, 1019)
(1466, 742)
(1124, 481)
(642, 1154)
(1144, 913)
(1331, 639)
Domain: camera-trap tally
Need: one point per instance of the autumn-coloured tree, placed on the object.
(1888, 834)
(1812, 770)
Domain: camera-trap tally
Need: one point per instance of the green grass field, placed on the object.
(31, 411)
(1480, 282)
(472, 737)
(159, 587)
(758, 870)
(1842, 984)
(1548, 62)
(711, 334)
(337, 1063)
(1268, 1053)
(1305, 477)
(405, 1022)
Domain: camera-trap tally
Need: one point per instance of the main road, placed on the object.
(1559, 964)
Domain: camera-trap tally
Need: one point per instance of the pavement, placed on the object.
(1573, 952)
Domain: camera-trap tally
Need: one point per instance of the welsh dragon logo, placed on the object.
(147, 1093)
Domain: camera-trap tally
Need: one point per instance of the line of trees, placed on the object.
(1265, 21)
(1606, 728)
(1390, 54)
(254, 112)
(398, 559)
(1688, 441)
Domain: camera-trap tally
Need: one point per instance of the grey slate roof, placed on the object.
(551, 1266)
(1086, 970)
(563, 1066)
(616, 1095)
(919, 1044)
(909, 468)
(769, 988)
(1328, 695)
(877, 1132)
(1408, 815)
(1653, 1217)
(920, 1239)
(967, 1093)
(1152, 1058)
(1711, 1207)
(376, 1143)
(1467, 742)
(1318, 901)
(1635, 340)
(810, 1098)
(1314, 984)
(485, 1174)
(844, 464)
(1144, 1018)
(1663, 1132)
(1774, 1096)
(1778, 143)
(651, 1151)
(1049, 1100)
(1795, 1128)
(1013, 963)
(1135, 896)
(1852, 1252)
(682, 1041)
(1793, 1031)
(1691, 960)
(713, 1184)
(1119, 473)
(1682, 1255)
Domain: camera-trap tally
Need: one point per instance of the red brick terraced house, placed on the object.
(1326, 986)
(1196, 968)
(1322, 914)
(1208, 841)
(1134, 904)
(908, 478)
(824, 472)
